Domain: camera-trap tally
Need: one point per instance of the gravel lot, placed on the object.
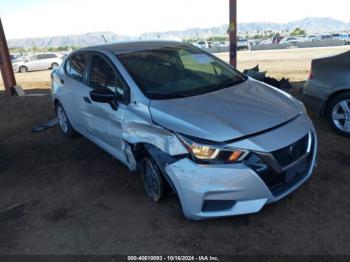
(79, 200)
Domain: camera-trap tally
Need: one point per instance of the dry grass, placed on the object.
(292, 63)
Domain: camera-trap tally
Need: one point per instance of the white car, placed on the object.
(221, 44)
(202, 44)
(326, 37)
(243, 44)
(290, 40)
(311, 38)
(36, 62)
(266, 42)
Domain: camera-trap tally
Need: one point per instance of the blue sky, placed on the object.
(34, 18)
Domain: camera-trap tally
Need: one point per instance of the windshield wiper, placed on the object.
(230, 83)
(157, 95)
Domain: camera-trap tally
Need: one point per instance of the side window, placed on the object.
(40, 56)
(102, 75)
(51, 56)
(77, 66)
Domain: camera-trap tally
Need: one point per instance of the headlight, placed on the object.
(211, 153)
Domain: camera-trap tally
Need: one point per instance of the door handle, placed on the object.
(87, 100)
(62, 81)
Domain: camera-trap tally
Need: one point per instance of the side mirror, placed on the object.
(102, 95)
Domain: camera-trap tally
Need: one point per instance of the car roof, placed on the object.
(128, 47)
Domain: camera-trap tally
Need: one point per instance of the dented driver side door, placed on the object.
(104, 121)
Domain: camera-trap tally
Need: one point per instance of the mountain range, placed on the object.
(311, 25)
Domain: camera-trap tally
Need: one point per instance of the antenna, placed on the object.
(104, 39)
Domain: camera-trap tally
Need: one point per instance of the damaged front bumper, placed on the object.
(200, 186)
(212, 191)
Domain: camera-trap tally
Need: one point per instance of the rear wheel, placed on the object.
(23, 69)
(54, 66)
(152, 179)
(338, 114)
(63, 122)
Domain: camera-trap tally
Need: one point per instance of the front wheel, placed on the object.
(338, 114)
(152, 179)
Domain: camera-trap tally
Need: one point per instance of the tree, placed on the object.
(35, 48)
(218, 38)
(298, 31)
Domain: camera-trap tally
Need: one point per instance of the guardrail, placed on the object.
(298, 45)
(325, 43)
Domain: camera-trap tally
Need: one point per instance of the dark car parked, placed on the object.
(328, 90)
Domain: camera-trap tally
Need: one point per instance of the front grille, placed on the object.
(278, 183)
(291, 153)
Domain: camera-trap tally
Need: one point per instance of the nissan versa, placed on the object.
(224, 143)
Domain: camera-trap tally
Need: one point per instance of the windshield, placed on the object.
(167, 73)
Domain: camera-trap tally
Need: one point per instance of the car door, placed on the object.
(103, 120)
(43, 61)
(40, 62)
(49, 59)
(75, 91)
(32, 63)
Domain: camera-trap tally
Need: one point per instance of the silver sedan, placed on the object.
(190, 123)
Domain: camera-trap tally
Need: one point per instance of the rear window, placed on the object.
(76, 67)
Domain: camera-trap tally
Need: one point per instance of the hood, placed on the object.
(228, 114)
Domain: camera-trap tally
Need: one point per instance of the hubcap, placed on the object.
(151, 180)
(62, 119)
(341, 115)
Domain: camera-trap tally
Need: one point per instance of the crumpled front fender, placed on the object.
(136, 130)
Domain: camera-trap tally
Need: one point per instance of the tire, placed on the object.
(63, 122)
(23, 69)
(152, 179)
(338, 114)
(54, 66)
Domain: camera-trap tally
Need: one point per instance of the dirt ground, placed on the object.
(79, 200)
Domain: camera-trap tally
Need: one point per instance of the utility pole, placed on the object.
(8, 76)
(233, 32)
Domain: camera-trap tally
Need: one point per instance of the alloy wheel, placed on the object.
(152, 180)
(341, 115)
(62, 119)
(22, 69)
